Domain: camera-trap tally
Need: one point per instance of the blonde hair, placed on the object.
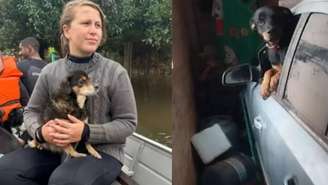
(68, 16)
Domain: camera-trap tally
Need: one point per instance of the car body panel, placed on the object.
(286, 150)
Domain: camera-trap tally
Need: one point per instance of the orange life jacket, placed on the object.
(9, 87)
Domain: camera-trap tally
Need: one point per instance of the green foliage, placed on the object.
(158, 17)
(42, 17)
(144, 22)
(22, 18)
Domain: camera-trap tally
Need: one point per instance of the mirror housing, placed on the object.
(240, 75)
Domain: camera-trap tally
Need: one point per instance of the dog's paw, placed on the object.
(77, 154)
(39, 147)
(274, 81)
(70, 151)
(265, 91)
(265, 85)
(96, 155)
(32, 143)
(92, 151)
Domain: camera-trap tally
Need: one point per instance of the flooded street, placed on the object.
(153, 96)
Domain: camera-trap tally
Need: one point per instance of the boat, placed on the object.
(147, 162)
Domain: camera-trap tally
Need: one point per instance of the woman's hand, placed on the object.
(47, 131)
(67, 131)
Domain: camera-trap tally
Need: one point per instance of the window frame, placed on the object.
(288, 61)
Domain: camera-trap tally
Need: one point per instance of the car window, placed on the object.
(307, 84)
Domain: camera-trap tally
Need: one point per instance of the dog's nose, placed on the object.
(96, 87)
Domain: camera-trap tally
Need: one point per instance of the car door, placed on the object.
(290, 128)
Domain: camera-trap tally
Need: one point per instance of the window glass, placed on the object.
(307, 84)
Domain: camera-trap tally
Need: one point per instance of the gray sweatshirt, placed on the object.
(113, 112)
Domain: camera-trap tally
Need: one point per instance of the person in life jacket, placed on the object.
(13, 94)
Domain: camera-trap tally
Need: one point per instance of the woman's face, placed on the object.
(84, 34)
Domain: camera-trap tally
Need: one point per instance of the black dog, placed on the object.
(70, 99)
(276, 26)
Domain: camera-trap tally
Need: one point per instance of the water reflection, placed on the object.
(153, 96)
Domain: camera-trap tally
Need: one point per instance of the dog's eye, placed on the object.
(80, 82)
(260, 22)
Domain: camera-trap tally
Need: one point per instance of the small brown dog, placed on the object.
(70, 99)
(275, 25)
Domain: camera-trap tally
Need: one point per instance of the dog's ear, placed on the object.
(285, 13)
(252, 24)
(254, 20)
(65, 87)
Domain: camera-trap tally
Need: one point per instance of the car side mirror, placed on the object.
(240, 75)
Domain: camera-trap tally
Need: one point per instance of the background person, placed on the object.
(13, 94)
(31, 63)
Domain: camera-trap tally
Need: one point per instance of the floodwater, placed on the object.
(153, 96)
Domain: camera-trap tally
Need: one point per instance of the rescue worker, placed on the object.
(13, 94)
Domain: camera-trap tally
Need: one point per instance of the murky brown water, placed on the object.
(153, 96)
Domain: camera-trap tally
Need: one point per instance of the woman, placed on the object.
(113, 115)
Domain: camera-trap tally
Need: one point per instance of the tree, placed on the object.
(141, 24)
(22, 18)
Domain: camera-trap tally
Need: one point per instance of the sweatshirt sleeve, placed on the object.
(36, 105)
(123, 111)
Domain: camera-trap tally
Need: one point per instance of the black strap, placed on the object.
(10, 102)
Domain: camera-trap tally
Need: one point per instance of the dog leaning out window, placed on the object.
(276, 26)
(69, 99)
